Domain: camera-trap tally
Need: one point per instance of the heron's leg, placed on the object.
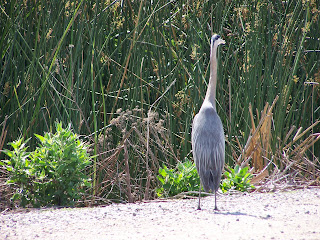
(215, 200)
(199, 208)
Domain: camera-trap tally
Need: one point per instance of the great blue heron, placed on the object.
(208, 143)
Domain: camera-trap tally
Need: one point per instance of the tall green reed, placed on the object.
(80, 61)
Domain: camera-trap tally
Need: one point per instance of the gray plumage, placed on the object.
(208, 142)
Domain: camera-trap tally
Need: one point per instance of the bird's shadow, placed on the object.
(230, 213)
(234, 214)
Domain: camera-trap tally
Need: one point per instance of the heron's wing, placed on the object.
(208, 146)
(209, 159)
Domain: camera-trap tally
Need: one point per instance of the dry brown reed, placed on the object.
(287, 166)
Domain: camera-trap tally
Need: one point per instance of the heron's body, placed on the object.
(208, 143)
(208, 147)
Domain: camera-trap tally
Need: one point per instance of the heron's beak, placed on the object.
(221, 41)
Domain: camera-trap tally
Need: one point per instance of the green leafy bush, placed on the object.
(53, 174)
(238, 179)
(183, 178)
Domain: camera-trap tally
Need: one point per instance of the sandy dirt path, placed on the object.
(281, 215)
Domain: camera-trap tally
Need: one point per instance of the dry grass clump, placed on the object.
(130, 152)
(287, 166)
(5, 191)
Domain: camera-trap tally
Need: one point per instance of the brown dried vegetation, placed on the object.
(130, 152)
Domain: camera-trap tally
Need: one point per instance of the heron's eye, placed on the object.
(217, 37)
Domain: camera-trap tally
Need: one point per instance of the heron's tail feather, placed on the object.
(211, 181)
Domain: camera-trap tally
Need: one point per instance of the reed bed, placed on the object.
(130, 75)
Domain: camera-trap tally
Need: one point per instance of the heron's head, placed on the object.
(216, 40)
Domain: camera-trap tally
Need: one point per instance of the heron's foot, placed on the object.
(199, 208)
(216, 209)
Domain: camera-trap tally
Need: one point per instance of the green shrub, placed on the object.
(183, 178)
(53, 174)
(238, 179)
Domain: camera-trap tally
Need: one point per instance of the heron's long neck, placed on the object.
(211, 91)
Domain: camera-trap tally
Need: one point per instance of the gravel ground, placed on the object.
(280, 215)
